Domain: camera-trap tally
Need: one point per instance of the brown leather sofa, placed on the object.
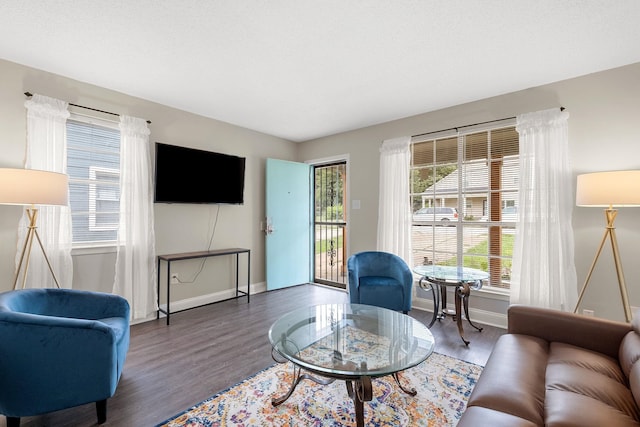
(554, 368)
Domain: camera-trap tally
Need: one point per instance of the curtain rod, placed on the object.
(29, 94)
(466, 126)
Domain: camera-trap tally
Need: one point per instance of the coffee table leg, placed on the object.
(297, 377)
(360, 391)
(410, 391)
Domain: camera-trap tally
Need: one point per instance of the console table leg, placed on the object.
(248, 277)
(168, 291)
(158, 289)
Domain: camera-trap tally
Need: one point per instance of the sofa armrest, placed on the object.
(601, 335)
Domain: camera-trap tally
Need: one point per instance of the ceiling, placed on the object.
(303, 69)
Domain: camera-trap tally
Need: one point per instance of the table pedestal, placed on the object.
(359, 389)
(461, 294)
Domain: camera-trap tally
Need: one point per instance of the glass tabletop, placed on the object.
(351, 340)
(451, 273)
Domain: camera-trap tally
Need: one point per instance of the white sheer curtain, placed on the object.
(46, 150)
(543, 272)
(135, 261)
(394, 213)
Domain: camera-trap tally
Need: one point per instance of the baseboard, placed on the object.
(257, 288)
(480, 316)
(200, 300)
(485, 317)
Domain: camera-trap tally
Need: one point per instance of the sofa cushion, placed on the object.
(586, 388)
(479, 416)
(569, 409)
(567, 355)
(513, 379)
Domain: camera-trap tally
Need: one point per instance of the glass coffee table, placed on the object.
(350, 342)
(438, 278)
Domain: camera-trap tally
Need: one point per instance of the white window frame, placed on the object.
(93, 198)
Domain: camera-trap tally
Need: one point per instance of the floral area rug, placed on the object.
(443, 384)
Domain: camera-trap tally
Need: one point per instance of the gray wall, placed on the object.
(604, 109)
(178, 228)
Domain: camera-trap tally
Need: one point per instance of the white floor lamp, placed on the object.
(32, 187)
(609, 189)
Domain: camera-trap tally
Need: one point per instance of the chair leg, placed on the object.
(13, 421)
(101, 408)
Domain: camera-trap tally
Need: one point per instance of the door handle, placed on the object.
(268, 229)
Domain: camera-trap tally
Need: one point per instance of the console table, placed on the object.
(201, 254)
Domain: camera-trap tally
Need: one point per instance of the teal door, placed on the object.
(288, 227)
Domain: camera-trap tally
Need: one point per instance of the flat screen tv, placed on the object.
(188, 175)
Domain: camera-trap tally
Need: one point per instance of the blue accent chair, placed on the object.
(60, 348)
(381, 279)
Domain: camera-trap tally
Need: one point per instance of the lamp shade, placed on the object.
(616, 188)
(33, 187)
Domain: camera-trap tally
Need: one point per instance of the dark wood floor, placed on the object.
(208, 349)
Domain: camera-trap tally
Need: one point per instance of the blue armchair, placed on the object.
(381, 279)
(60, 348)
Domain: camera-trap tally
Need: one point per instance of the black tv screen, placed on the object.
(188, 175)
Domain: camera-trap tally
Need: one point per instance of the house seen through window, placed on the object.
(93, 166)
(464, 195)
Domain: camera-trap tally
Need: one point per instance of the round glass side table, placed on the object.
(437, 278)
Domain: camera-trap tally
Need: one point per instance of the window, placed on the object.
(93, 165)
(474, 174)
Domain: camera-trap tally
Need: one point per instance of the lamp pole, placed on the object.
(32, 230)
(610, 232)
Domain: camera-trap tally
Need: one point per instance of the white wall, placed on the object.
(604, 111)
(178, 228)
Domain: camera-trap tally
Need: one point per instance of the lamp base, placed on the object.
(610, 232)
(32, 214)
